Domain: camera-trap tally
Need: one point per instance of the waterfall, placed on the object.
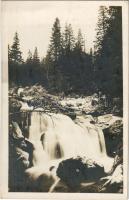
(56, 136)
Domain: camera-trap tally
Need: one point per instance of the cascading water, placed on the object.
(56, 136)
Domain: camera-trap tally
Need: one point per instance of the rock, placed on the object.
(71, 171)
(114, 182)
(117, 106)
(22, 158)
(19, 161)
(106, 121)
(114, 138)
(42, 178)
(72, 115)
(108, 184)
(74, 171)
(20, 92)
(93, 170)
(86, 121)
(39, 183)
(94, 102)
(118, 159)
(34, 91)
(93, 113)
(89, 188)
(17, 133)
(61, 187)
(116, 129)
(79, 104)
(14, 105)
(116, 177)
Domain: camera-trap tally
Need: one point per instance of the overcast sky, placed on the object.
(33, 21)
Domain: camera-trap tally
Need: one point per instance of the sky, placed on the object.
(33, 20)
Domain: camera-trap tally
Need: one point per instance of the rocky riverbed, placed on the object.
(78, 173)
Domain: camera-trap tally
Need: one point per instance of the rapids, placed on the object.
(56, 137)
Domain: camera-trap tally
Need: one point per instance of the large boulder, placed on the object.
(114, 138)
(74, 171)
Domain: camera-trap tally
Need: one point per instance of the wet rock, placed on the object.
(18, 163)
(93, 113)
(61, 187)
(117, 106)
(14, 105)
(114, 139)
(71, 171)
(42, 179)
(87, 119)
(20, 92)
(34, 91)
(108, 184)
(94, 102)
(74, 171)
(93, 170)
(108, 120)
(72, 115)
(16, 131)
(114, 182)
(20, 159)
(116, 129)
(40, 183)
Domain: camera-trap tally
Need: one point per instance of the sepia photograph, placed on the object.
(65, 81)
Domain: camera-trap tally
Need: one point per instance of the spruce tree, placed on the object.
(9, 54)
(54, 54)
(113, 41)
(29, 59)
(108, 51)
(101, 29)
(36, 60)
(80, 42)
(55, 47)
(47, 62)
(69, 40)
(15, 52)
(15, 60)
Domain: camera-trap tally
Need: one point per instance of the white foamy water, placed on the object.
(62, 139)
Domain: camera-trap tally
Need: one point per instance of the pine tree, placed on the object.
(15, 60)
(80, 41)
(54, 54)
(66, 65)
(101, 29)
(9, 54)
(15, 52)
(114, 50)
(55, 46)
(69, 40)
(29, 59)
(99, 47)
(108, 52)
(47, 62)
(36, 60)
